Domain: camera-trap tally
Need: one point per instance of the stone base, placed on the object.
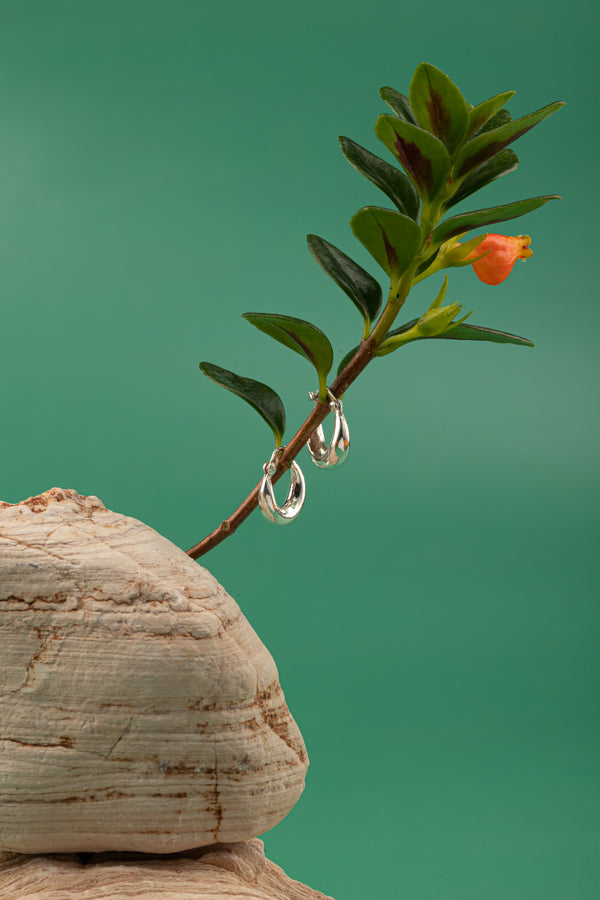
(237, 871)
(139, 711)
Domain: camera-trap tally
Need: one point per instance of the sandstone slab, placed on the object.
(138, 709)
(237, 871)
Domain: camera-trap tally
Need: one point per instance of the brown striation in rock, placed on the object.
(138, 709)
(234, 871)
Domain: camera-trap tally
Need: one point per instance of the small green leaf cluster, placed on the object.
(448, 150)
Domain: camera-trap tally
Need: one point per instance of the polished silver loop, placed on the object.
(281, 515)
(328, 456)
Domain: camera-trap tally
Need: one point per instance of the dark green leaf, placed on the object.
(466, 333)
(261, 397)
(420, 153)
(387, 178)
(484, 112)
(501, 118)
(501, 164)
(298, 335)
(438, 105)
(361, 287)
(486, 145)
(346, 360)
(477, 333)
(391, 238)
(398, 103)
(481, 217)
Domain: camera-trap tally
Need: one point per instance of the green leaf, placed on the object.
(485, 145)
(398, 103)
(398, 187)
(391, 238)
(501, 118)
(438, 105)
(501, 164)
(457, 333)
(481, 217)
(361, 287)
(485, 111)
(477, 333)
(261, 397)
(420, 153)
(298, 335)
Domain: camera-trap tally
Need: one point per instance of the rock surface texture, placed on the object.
(139, 710)
(229, 871)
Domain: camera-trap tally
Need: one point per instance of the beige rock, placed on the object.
(138, 709)
(227, 871)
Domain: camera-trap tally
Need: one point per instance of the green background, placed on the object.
(433, 612)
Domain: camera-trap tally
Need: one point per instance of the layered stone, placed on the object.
(227, 871)
(138, 709)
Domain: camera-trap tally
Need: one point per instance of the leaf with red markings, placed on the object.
(485, 111)
(479, 218)
(391, 238)
(438, 105)
(420, 153)
(486, 145)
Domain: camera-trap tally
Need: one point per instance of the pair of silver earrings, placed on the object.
(325, 456)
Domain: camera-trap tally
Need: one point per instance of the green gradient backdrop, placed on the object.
(433, 613)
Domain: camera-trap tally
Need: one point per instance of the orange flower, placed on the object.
(503, 252)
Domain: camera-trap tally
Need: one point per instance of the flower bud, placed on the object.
(436, 320)
(501, 253)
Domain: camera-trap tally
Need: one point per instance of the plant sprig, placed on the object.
(448, 150)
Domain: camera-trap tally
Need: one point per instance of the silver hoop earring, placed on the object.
(281, 515)
(328, 456)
